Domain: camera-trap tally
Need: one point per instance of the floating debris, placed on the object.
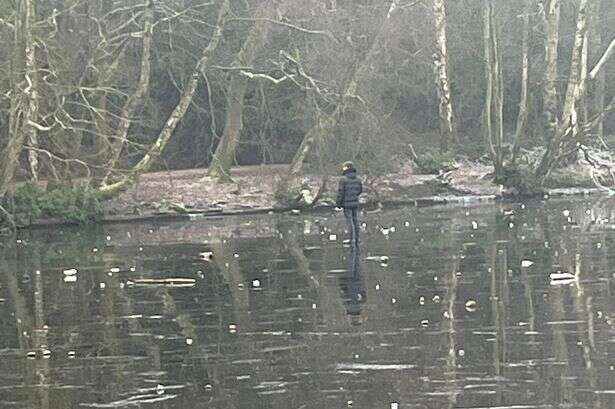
(471, 305)
(256, 283)
(70, 272)
(373, 367)
(474, 225)
(189, 341)
(425, 323)
(114, 270)
(206, 255)
(171, 282)
(31, 354)
(436, 299)
(102, 286)
(421, 300)
(381, 259)
(394, 405)
(70, 279)
(526, 263)
(332, 237)
(562, 278)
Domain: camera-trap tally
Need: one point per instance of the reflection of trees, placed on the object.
(229, 266)
(496, 306)
(31, 328)
(583, 309)
(327, 296)
(451, 360)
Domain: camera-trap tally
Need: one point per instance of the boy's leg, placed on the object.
(350, 225)
(355, 220)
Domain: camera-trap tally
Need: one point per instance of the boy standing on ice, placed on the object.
(350, 188)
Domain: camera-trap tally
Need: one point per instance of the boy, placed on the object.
(350, 188)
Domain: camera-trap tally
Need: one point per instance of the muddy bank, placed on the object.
(191, 194)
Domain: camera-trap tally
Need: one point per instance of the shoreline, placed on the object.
(200, 214)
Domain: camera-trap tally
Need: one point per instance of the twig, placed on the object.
(291, 26)
(9, 218)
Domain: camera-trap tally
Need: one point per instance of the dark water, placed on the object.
(440, 308)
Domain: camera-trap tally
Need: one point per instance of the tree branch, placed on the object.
(607, 54)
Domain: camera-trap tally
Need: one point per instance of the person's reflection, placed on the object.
(353, 288)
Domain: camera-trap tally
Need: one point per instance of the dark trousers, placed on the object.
(352, 222)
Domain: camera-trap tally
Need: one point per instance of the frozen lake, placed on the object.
(503, 306)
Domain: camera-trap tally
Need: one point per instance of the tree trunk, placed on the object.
(136, 98)
(575, 88)
(445, 107)
(31, 91)
(492, 116)
(599, 76)
(550, 105)
(178, 113)
(525, 82)
(15, 134)
(224, 156)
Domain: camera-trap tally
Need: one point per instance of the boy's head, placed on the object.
(347, 166)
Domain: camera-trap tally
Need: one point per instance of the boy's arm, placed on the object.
(340, 193)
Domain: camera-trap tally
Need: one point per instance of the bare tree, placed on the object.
(224, 156)
(522, 117)
(493, 113)
(179, 111)
(563, 139)
(135, 100)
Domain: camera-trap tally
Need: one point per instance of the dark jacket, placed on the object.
(349, 190)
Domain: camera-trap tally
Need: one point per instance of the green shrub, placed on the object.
(431, 163)
(79, 205)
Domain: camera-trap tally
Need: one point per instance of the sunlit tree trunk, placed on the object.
(224, 156)
(445, 107)
(137, 97)
(550, 105)
(178, 113)
(31, 91)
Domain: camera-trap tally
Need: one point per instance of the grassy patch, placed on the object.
(80, 205)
